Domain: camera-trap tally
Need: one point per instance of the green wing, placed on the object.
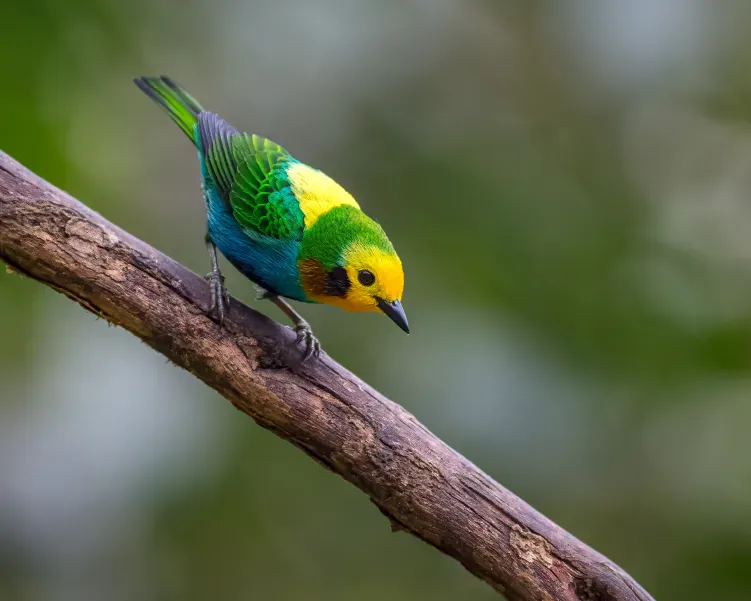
(261, 196)
(250, 173)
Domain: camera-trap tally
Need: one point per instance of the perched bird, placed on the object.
(288, 227)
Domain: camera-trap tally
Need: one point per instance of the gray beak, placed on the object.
(395, 312)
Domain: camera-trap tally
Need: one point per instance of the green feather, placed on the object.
(244, 144)
(176, 102)
(261, 197)
(335, 230)
(250, 173)
(222, 166)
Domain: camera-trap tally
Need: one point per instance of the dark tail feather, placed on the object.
(176, 102)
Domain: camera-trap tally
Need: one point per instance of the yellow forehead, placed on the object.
(389, 283)
(316, 192)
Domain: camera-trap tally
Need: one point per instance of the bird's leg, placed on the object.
(219, 294)
(302, 327)
(262, 293)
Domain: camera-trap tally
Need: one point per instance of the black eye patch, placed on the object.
(337, 282)
(366, 277)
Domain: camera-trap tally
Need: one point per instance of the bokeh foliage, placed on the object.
(568, 186)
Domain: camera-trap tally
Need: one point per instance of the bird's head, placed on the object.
(355, 268)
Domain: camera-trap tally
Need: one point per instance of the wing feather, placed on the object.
(250, 173)
(215, 135)
(262, 199)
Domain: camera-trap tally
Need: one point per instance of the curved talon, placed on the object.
(225, 294)
(219, 296)
(312, 346)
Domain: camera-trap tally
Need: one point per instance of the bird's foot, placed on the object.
(302, 328)
(312, 346)
(219, 295)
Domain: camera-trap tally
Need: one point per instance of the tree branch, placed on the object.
(421, 484)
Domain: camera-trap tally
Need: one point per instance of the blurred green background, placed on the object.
(568, 184)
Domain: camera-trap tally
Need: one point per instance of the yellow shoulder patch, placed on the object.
(316, 192)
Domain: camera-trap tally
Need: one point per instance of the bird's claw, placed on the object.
(312, 346)
(219, 296)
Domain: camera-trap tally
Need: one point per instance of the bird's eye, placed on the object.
(366, 277)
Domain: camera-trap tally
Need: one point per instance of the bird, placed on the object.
(288, 227)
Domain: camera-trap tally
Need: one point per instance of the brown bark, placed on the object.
(422, 485)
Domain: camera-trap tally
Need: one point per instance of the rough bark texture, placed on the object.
(421, 484)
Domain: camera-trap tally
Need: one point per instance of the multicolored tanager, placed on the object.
(288, 227)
